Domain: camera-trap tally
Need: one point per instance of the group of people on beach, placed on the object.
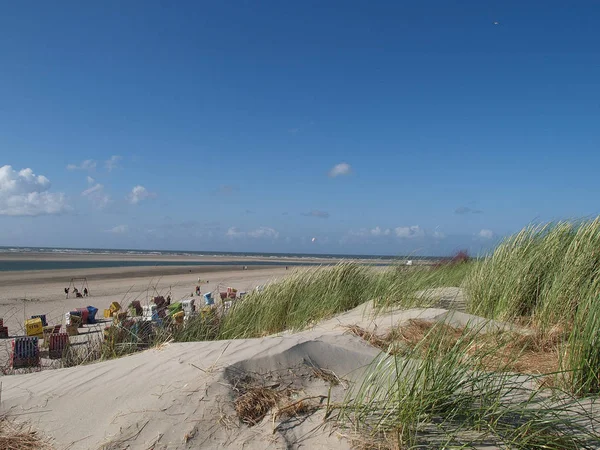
(77, 293)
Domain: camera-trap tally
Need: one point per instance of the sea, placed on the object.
(224, 258)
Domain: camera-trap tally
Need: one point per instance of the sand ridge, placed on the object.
(182, 395)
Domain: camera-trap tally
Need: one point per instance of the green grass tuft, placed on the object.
(548, 276)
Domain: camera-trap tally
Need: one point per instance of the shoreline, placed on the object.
(43, 256)
(21, 277)
(46, 265)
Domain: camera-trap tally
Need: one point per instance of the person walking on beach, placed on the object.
(85, 292)
(67, 292)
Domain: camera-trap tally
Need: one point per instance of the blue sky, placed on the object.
(374, 127)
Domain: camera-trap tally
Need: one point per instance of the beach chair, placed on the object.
(58, 343)
(25, 353)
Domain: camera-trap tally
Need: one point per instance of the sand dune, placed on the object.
(182, 395)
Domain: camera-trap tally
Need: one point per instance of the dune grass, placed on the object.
(298, 300)
(436, 394)
(541, 274)
(548, 277)
(313, 294)
(309, 295)
(408, 287)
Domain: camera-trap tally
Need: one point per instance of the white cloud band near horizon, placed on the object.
(119, 229)
(259, 233)
(412, 232)
(401, 233)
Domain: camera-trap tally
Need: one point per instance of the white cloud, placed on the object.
(96, 194)
(90, 180)
(264, 232)
(486, 234)
(25, 194)
(93, 190)
(259, 233)
(366, 235)
(119, 229)
(411, 232)
(113, 163)
(340, 169)
(88, 164)
(380, 232)
(140, 193)
(234, 232)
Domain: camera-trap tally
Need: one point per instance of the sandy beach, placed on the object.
(28, 292)
(23, 294)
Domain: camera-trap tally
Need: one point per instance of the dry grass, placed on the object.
(256, 402)
(401, 338)
(253, 405)
(302, 407)
(20, 437)
(533, 353)
(326, 375)
(371, 337)
(259, 395)
(383, 441)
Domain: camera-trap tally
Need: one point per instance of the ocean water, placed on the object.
(6, 266)
(279, 259)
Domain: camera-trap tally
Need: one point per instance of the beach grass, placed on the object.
(440, 393)
(407, 287)
(540, 274)
(548, 277)
(306, 296)
(313, 294)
